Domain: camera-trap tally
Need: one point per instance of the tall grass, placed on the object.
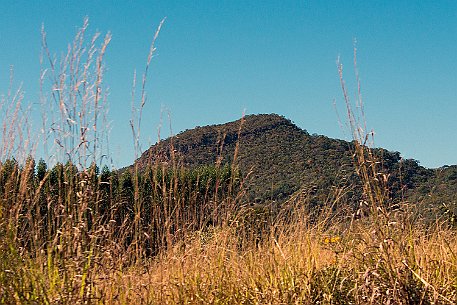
(69, 236)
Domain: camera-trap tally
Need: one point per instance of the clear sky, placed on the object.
(218, 58)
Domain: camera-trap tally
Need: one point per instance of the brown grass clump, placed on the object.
(299, 266)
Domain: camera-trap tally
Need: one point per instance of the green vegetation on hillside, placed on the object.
(280, 160)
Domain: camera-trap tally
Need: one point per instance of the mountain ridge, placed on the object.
(281, 159)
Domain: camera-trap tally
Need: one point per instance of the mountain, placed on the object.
(281, 159)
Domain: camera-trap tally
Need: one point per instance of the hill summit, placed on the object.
(281, 159)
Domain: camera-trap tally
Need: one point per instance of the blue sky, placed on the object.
(216, 59)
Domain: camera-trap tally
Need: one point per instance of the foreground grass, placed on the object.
(299, 264)
(299, 270)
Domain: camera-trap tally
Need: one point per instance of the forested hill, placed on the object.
(281, 159)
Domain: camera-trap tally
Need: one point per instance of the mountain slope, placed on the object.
(281, 158)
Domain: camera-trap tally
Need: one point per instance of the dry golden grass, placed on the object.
(300, 266)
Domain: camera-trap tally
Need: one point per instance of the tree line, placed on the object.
(141, 211)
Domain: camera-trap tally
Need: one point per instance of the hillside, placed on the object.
(282, 159)
(279, 156)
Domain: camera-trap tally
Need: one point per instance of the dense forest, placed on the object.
(167, 198)
(279, 159)
(263, 161)
(194, 179)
